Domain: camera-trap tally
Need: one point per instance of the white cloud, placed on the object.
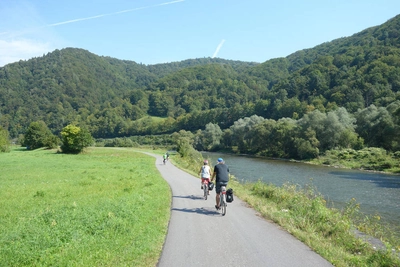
(23, 49)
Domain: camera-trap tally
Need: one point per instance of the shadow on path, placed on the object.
(190, 197)
(199, 211)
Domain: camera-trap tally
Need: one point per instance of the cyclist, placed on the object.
(165, 157)
(205, 172)
(221, 173)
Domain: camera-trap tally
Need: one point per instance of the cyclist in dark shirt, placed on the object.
(221, 173)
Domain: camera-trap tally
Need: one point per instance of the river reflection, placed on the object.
(377, 193)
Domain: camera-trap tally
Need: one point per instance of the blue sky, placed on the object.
(160, 31)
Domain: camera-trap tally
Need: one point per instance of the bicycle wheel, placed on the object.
(223, 204)
(205, 188)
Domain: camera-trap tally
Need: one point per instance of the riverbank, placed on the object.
(304, 214)
(369, 159)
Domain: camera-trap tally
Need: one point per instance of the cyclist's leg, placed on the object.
(217, 196)
(202, 182)
(207, 183)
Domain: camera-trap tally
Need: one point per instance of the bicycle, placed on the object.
(222, 200)
(205, 188)
(164, 161)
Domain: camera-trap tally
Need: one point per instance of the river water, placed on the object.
(377, 194)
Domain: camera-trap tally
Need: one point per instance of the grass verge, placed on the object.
(303, 213)
(106, 207)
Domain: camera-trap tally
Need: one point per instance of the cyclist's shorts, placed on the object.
(203, 180)
(218, 187)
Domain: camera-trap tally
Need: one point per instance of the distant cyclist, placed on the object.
(221, 173)
(165, 158)
(205, 172)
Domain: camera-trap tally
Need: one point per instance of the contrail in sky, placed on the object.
(218, 48)
(111, 14)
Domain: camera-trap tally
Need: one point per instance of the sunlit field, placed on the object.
(105, 207)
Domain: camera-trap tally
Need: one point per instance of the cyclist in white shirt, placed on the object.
(205, 172)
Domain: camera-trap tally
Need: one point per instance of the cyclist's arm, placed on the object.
(213, 176)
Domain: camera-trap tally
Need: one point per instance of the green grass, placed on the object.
(372, 159)
(303, 213)
(110, 207)
(106, 207)
(153, 119)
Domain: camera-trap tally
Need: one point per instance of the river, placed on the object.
(377, 193)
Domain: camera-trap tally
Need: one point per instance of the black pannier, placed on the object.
(229, 195)
(210, 186)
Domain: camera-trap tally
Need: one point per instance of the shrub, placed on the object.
(38, 135)
(4, 143)
(75, 139)
(121, 142)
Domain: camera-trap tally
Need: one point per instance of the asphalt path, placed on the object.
(198, 235)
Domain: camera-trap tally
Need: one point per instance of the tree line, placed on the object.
(302, 98)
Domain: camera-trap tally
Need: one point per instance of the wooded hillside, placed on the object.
(113, 98)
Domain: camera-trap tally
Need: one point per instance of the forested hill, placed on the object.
(109, 96)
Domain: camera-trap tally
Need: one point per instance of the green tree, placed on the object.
(376, 126)
(305, 150)
(4, 142)
(240, 130)
(38, 135)
(332, 130)
(259, 137)
(74, 139)
(211, 136)
(160, 104)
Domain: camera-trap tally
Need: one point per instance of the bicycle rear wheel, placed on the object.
(205, 187)
(223, 204)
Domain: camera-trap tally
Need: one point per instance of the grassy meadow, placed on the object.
(105, 207)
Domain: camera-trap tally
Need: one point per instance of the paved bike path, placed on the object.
(198, 235)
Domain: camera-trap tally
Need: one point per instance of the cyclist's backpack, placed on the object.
(229, 195)
(210, 186)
